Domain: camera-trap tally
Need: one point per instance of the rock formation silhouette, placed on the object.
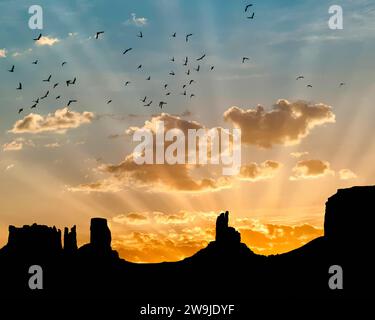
(225, 269)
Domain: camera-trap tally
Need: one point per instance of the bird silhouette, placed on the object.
(184, 93)
(140, 35)
(19, 86)
(48, 79)
(139, 67)
(212, 68)
(191, 81)
(109, 101)
(186, 61)
(188, 36)
(172, 73)
(127, 82)
(11, 69)
(201, 58)
(341, 84)
(98, 34)
(33, 106)
(245, 59)
(45, 96)
(35, 62)
(188, 72)
(300, 77)
(252, 16)
(55, 85)
(148, 104)
(184, 86)
(58, 97)
(38, 37)
(309, 86)
(198, 68)
(62, 64)
(192, 95)
(174, 35)
(148, 78)
(36, 101)
(168, 94)
(172, 59)
(161, 103)
(144, 99)
(165, 86)
(68, 82)
(70, 102)
(20, 110)
(248, 6)
(127, 50)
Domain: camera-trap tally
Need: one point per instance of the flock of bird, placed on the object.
(310, 86)
(187, 62)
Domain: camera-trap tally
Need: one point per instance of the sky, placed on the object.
(62, 165)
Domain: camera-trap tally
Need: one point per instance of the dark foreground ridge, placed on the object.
(225, 269)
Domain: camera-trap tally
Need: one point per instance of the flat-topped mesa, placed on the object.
(34, 240)
(100, 235)
(350, 216)
(224, 233)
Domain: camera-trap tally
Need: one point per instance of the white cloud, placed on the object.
(139, 22)
(311, 169)
(3, 53)
(346, 174)
(8, 167)
(17, 144)
(47, 41)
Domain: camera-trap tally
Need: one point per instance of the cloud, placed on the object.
(299, 154)
(255, 172)
(9, 167)
(161, 177)
(311, 169)
(3, 53)
(17, 144)
(347, 174)
(52, 145)
(132, 218)
(47, 41)
(139, 22)
(58, 122)
(287, 124)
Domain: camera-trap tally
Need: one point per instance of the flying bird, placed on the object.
(58, 97)
(300, 77)
(140, 35)
(35, 62)
(174, 35)
(201, 58)
(184, 86)
(11, 69)
(20, 110)
(198, 68)
(161, 103)
(309, 86)
(168, 94)
(139, 67)
(184, 93)
(64, 62)
(148, 104)
(127, 82)
(188, 36)
(144, 99)
(252, 16)
(148, 78)
(98, 34)
(172, 73)
(190, 82)
(212, 68)
(188, 72)
(48, 79)
(36, 101)
(244, 59)
(127, 50)
(165, 86)
(70, 102)
(248, 6)
(109, 101)
(45, 96)
(172, 59)
(33, 106)
(38, 38)
(342, 84)
(186, 61)
(19, 86)
(192, 95)
(55, 85)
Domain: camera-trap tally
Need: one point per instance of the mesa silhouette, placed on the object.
(225, 269)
